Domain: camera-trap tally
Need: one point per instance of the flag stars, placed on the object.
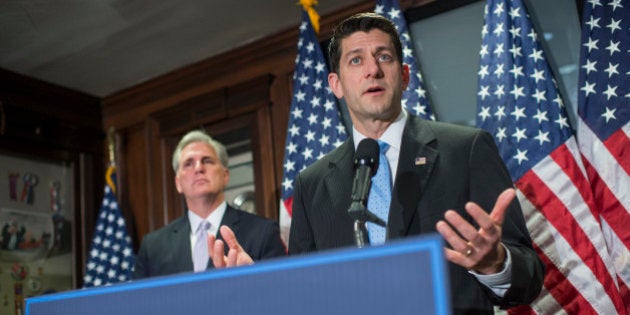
(501, 134)
(515, 31)
(538, 75)
(542, 137)
(593, 23)
(521, 156)
(297, 113)
(307, 154)
(484, 92)
(612, 69)
(519, 134)
(609, 114)
(562, 121)
(588, 88)
(591, 44)
(539, 95)
(484, 51)
(483, 71)
(303, 79)
(484, 113)
(536, 55)
(517, 71)
(590, 66)
(498, 30)
(615, 4)
(312, 119)
(519, 112)
(310, 136)
(613, 26)
(517, 91)
(499, 92)
(498, 9)
(498, 72)
(287, 184)
(289, 166)
(515, 13)
(324, 140)
(500, 112)
(613, 47)
(610, 91)
(294, 130)
(315, 101)
(540, 116)
(498, 50)
(516, 51)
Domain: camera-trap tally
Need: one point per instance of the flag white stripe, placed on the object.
(556, 248)
(618, 252)
(604, 163)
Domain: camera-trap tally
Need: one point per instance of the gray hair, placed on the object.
(199, 136)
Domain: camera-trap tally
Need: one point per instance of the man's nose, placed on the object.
(199, 166)
(373, 68)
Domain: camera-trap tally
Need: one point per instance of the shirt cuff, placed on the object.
(500, 282)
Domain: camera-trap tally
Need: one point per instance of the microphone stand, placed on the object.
(359, 212)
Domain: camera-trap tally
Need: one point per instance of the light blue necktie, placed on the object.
(380, 196)
(200, 252)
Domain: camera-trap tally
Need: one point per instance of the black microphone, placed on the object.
(366, 160)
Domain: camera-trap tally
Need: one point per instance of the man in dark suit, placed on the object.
(435, 167)
(201, 167)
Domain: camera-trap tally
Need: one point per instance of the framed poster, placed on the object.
(37, 214)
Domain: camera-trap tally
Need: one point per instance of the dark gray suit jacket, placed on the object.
(461, 164)
(168, 250)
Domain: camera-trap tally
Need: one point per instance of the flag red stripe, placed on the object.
(288, 204)
(609, 206)
(619, 146)
(625, 294)
(521, 310)
(538, 193)
(566, 161)
(562, 289)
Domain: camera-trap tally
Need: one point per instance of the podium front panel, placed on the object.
(403, 277)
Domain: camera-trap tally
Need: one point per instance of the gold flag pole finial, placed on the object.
(111, 147)
(312, 14)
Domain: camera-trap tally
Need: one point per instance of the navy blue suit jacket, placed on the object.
(457, 164)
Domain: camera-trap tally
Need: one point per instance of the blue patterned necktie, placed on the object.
(200, 252)
(380, 196)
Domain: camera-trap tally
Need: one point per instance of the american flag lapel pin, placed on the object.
(421, 160)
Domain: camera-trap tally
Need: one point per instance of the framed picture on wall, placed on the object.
(37, 211)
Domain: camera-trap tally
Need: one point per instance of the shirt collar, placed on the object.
(214, 218)
(392, 135)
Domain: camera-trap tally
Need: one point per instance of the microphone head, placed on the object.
(367, 154)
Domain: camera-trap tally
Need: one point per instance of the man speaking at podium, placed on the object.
(434, 177)
(434, 167)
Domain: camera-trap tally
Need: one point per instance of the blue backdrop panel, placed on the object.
(399, 278)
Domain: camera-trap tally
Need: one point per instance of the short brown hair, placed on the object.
(362, 22)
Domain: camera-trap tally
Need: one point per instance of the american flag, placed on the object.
(315, 125)
(111, 258)
(604, 123)
(518, 102)
(414, 97)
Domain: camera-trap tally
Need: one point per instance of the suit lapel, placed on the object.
(339, 176)
(415, 163)
(180, 234)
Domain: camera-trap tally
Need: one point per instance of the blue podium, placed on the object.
(404, 277)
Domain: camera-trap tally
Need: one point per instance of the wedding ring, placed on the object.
(469, 250)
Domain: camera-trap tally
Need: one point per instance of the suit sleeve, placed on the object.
(301, 238)
(272, 244)
(140, 269)
(488, 179)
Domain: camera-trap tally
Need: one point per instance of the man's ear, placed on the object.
(177, 185)
(405, 76)
(335, 84)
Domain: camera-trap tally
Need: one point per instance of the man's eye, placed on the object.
(355, 61)
(385, 58)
